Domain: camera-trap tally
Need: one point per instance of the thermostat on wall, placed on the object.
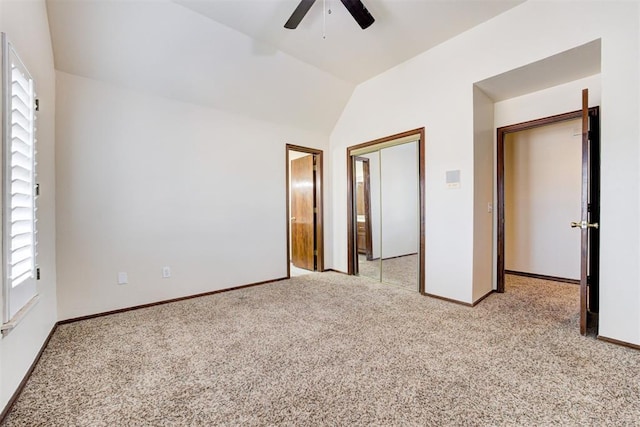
(453, 179)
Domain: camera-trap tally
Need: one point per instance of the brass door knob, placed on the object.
(584, 224)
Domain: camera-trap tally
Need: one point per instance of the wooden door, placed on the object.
(590, 210)
(302, 213)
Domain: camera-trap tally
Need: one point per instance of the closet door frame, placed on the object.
(353, 152)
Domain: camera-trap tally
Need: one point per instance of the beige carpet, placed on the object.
(400, 271)
(327, 349)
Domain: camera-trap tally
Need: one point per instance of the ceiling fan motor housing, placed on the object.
(355, 7)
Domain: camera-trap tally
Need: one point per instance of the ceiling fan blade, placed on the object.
(299, 13)
(359, 13)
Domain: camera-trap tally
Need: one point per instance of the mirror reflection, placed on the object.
(399, 208)
(368, 214)
(387, 214)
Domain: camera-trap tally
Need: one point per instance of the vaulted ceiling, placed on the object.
(235, 55)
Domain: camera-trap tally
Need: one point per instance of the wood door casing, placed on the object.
(501, 137)
(590, 218)
(593, 280)
(584, 234)
(590, 204)
(302, 213)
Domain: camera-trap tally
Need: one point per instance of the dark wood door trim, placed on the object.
(501, 135)
(594, 210)
(352, 253)
(584, 214)
(367, 206)
(319, 218)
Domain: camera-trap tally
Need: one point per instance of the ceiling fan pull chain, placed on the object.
(324, 19)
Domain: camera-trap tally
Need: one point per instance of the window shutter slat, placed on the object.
(20, 268)
(20, 96)
(18, 78)
(17, 103)
(21, 254)
(21, 240)
(21, 187)
(19, 208)
(20, 87)
(22, 214)
(20, 173)
(21, 279)
(21, 227)
(18, 132)
(22, 161)
(21, 109)
(20, 146)
(19, 119)
(21, 201)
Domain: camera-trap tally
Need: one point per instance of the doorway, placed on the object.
(305, 231)
(386, 239)
(583, 123)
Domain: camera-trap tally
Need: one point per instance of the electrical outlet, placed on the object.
(166, 272)
(123, 279)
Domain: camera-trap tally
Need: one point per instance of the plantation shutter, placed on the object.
(19, 210)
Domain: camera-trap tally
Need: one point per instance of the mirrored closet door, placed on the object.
(386, 217)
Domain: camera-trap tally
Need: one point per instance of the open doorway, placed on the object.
(548, 180)
(305, 235)
(543, 88)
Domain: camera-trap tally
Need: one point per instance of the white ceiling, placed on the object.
(402, 30)
(235, 55)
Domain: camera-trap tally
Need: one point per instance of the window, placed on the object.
(19, 186)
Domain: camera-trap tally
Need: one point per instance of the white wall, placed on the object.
(146, 182)
(25, 23)
(435, 90)
(543, 182)
(549, 102)
(483, 176)
(399, 192)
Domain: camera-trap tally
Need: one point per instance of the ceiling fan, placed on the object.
(355, 8)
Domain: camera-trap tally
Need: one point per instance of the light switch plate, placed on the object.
(453, 179)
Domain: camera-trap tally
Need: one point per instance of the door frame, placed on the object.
(351, 229)
(367, 206)
(501, 135)
(318, 218)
